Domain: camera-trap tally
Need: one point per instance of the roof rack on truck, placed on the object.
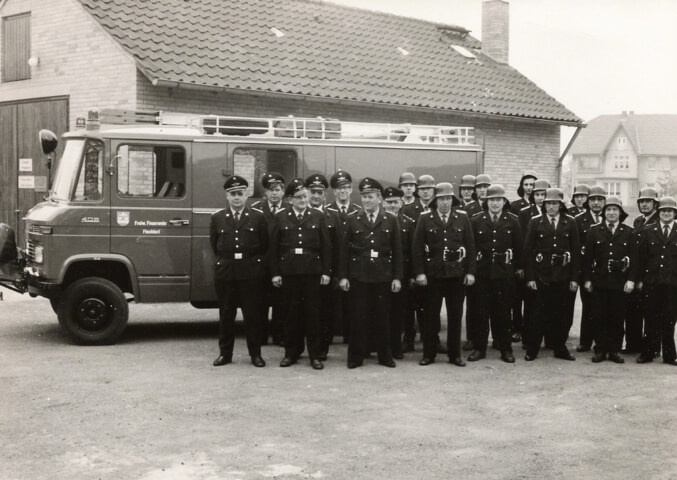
(291, 127)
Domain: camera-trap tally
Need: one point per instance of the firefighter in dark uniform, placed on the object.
(524, 192)
(656, 269)
(591, 216)
(498, 240)
(402, 309)
(370, 268)
(273, 186)
(341, 183)
(317, 186)
(579, 197)
(606, 264)
(521, 312)
(239, 239)
(443, 259)
(552, 255)
(647, 202)
(407, 184)
(300, 263)
(466, 190)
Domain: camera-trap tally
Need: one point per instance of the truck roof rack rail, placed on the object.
(295, 127)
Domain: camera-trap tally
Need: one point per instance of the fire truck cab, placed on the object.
(127, 215)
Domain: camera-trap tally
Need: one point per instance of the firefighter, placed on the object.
(402, 311)
(606, 263)
(466, 191)
(407, 184)
(498, 240)
(580, 196)
(425, 188)
(317, 187)
(370, 268)
(592, 215)
(647, 202)
(552, 254)
(341, 183)
(239, 237)
(482, 182)
(656, 269)
(524, 192)
(521, 311)
(273, 188)
(300, 263)
(443, 259)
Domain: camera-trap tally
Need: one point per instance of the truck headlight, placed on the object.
(37, 256)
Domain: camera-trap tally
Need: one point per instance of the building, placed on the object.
(263, 58)
(627, 152)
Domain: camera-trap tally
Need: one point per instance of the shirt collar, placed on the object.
(375, 213)
(233, 211)
(299, 213)
(556, 218)
(277, 205)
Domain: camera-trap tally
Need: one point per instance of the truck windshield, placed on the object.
(67, 170)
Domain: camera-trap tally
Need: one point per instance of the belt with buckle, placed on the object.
(374, 253)
(453, 255)
(618, 265)
(301, 251)
(556, 259)
(501, 258)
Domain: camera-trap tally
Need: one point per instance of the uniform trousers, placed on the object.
(494, 299)
(247, 295)
(549, 317)
(607, 311)
(417, 298)
(327, 295)
(659, 324)
(634, 321)
(301, 307)
(401, 313)
(472, 327)
(274, 327)
(518, 304)
(587, 326)
(451, 291)
(370, 303)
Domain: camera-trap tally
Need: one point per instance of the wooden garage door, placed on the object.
(19, 126)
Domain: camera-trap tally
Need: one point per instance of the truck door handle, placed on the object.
(179, 221)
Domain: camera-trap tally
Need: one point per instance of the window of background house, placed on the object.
(590, 162)
(612, 188)
(151, 171)
(621, 143)
(621, 162)
(251, 163)
(16, 47)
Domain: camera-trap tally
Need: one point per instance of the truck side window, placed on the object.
(90, 180)
(251, 163)
(151, 171)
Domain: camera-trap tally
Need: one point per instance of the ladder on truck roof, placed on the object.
(295, 127)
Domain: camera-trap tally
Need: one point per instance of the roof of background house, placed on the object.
(319, 49)
(649, 134)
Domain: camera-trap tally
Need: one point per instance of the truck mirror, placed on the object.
(111, 168)
(48, 141)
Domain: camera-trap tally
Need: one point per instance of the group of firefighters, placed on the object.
(378, 272)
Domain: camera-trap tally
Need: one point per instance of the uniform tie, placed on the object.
(596, 218)
(611, 228)
(553, 223)
(444, 218)
(299, 217)
(343, 210)
(371, 218)
(496, 219)
(666, 231)
(274, 209)
(236, 216)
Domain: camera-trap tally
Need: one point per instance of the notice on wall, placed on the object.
(25, 164)
(26, 181)
(41, 184)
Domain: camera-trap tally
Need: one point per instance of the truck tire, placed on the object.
(93, 311)
(54, 302)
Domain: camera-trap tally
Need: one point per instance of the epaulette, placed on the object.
(258, 202)
(408, 217)
(537, 216)
(256, 209)
(220, 210)
(525, 208)
(567, 215)
(280, 210)
(510, 214)
(461, 211)
(391, 213)
(353, 212)
(331, 209)
(582, 213)
(475, 214)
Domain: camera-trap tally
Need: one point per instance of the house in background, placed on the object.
(625, 153)
(62, 58)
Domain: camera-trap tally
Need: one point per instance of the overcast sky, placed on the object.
(595, 56)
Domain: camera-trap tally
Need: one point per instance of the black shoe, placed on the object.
(565, 355)
(398, 356)
(468, 346)
(426, 361)
(323, 357)
(671, 362)
(616, 358)
(388, 363)
(476, 355)
(441, 349)
(316, 363)
(583, 348)
(598, 357)
(354, 364)
(222, 360)
(458, 361)
(643, 359)
(530, 357)
(516, 337)
(258, 362)
(507, 357)
(407, 347)
(287, 362)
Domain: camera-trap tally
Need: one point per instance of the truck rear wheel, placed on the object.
(54, 302)
(93, 311)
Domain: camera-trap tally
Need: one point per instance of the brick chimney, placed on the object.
(496, 29)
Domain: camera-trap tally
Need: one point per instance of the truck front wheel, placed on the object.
(93, 311)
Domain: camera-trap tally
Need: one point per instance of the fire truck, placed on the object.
(127, 215)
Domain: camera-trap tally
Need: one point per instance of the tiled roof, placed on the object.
(649, 134)
(326, 50)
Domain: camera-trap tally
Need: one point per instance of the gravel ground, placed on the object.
(153, 407)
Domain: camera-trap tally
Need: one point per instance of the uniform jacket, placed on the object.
(351, 208)
(542, 242)
(517, 206)
(414, 209)
(247, 239)
(525, 216)
(432, 237)
(335, 229)
(604, 254)
(471, 208)
(371, 253)
(300, 247)
(407, 227)
(574, 210)
(656, 257)
(493, 241)
(585, 221)
(267, 212)
(641, 225)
